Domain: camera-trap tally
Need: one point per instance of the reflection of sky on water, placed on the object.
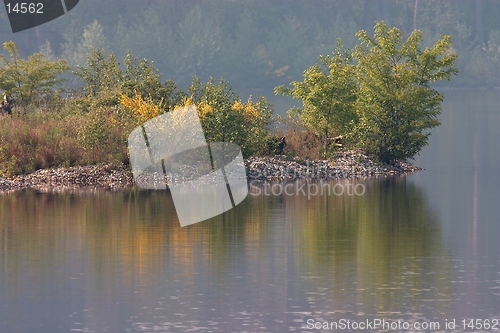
(424, 247)
(463, 184)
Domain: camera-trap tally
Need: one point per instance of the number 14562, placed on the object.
(24, 7)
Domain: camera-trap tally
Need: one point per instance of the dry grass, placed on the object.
(40, 140)
(300, 141)
(302, 144)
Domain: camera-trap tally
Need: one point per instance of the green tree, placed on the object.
(384, 102)
(396, 102)
(102, 77)
(140, 76)
(105, 79)
(328, 93)
(30, 81)
(201, 41)
(92, 38)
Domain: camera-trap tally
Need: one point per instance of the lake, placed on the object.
(421, 250)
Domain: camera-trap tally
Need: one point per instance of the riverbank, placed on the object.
(349, 164)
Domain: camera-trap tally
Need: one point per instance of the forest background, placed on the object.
(255, 45)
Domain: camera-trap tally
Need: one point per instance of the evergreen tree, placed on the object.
(92, 38)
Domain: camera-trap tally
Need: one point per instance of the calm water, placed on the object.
(417, 249)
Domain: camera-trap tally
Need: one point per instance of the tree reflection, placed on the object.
(384, 246)
(380, 252)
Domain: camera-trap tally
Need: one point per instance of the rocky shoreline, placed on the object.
(109, 177)
(348, 164)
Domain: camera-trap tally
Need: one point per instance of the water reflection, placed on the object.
(121, 262)
(412, 248)
(383, 248)
(463, 184)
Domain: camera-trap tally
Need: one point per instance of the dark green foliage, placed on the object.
(102, 78)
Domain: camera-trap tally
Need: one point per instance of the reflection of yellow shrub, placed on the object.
(143, 109)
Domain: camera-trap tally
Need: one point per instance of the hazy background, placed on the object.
(258, 44)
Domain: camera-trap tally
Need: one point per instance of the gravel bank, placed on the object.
(349, 164)
(72, 178)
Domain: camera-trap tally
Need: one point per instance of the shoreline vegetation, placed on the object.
(365, 111)
(275, 169)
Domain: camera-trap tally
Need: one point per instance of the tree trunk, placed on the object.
(479, 23)
(415, 9)
(326, 138)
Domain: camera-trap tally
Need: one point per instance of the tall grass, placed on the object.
(39, 140)
(74, 135)
(300, 141)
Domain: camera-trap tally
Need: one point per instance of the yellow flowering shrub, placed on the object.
(142, 109)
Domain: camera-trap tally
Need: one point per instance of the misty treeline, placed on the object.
(257, 44)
